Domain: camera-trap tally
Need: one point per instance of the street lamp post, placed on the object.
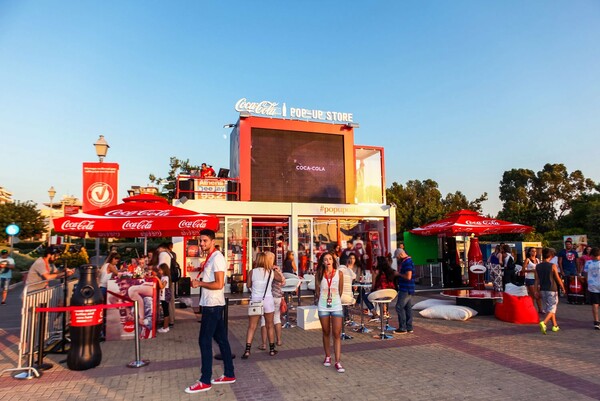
(51, 193)
(101, 147)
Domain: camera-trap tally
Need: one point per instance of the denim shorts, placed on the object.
(4, 283)
(333, 313)
(529, 281)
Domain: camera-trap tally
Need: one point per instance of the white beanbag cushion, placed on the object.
(431, 302)
(516, 290)
(448, 312)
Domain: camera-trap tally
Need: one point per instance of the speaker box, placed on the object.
(184, 287)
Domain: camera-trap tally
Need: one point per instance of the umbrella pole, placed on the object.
(145, 245)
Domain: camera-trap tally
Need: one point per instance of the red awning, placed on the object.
(464, 222)
(137, 216)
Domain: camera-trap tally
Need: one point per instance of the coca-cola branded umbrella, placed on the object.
(466, 222)
(137, 216)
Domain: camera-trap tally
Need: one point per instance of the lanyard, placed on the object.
(205, 262)
(329, 281)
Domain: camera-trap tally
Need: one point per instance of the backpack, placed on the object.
(175, 269)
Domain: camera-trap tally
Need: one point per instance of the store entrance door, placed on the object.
(270, 235)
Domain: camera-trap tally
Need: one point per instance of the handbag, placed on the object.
(257, 308)
(283, 307)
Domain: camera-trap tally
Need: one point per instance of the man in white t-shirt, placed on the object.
(212, 301)
(7, 264)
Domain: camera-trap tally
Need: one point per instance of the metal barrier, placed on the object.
(34, 295)
(429, 272)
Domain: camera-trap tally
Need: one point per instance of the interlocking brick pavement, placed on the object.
(479, 359)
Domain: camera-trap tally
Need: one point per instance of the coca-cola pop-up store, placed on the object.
(302, 186)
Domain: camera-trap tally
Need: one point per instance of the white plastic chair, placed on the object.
(291, 284)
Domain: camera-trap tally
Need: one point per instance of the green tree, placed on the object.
(24, 214)
(420, 202)
(540, 199)
(176, 166)
(584, 218)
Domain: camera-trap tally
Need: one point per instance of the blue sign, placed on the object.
(12, 229)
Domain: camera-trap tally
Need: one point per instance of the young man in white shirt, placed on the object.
(212, 301)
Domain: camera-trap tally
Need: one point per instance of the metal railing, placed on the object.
(432, 273)
(34, 295)
(194, 187)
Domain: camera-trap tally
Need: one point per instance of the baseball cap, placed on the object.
(3, 252)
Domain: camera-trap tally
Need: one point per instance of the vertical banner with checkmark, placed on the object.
(100, 183)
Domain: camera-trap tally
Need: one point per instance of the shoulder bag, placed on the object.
(257, 308)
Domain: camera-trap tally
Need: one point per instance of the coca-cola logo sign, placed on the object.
(482, 222)
(272, 109)
(198, 223)
(83, 225)
(138, 225)
(137, 213)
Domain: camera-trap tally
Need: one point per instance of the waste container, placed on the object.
(237, 283)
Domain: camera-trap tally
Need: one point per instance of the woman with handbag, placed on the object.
(328, 292)
(280, 305)
(261, 302)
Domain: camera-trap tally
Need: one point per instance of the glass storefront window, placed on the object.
(305, 245)
(236, 243)
(369, 176)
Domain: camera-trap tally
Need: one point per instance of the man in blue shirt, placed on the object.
(406, 289)
(567, 260)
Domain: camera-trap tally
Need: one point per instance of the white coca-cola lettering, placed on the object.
(139, 213)
(138, 225)
(482, 223)
(265, 107)
(200, 223)
(84, 225)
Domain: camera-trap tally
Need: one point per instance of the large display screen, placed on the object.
(292, 166)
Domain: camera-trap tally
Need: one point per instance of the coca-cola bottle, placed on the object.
(475, 258)
(85, 352)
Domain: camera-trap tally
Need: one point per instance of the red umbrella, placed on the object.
(464, 222)
(137, 216)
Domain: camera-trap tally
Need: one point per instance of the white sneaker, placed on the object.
(163, 330)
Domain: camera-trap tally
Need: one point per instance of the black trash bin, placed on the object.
(237, 283)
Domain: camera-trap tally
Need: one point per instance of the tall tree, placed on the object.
(540, 199)
(420, 202)
(24, 214)
(169, 183)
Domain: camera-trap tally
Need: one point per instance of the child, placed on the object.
(164, 289)
(547, 281)
(592, 271)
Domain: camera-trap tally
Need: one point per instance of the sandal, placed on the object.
(246, 354)
(279, 343)
(272, 350)
(262, 347)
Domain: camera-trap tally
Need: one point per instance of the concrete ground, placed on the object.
(479, 359)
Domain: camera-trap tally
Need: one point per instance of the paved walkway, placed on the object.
(480, 359)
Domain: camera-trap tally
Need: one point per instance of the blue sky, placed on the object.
(456, 91)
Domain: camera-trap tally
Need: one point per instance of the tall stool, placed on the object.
(362, 328)
(291, 284)
(347, 298)
(381, 297)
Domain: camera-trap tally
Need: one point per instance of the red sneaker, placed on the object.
(223, 380)
(197, 387)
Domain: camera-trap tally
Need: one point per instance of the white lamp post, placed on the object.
(51, 194)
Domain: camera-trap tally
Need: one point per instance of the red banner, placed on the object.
(100, 184)
(70, 209)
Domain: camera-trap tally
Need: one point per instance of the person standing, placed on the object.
(165, 255)
(43, 268)
(278, 282)
(547, 282)
(592, 272)
(163, 285)
(406, 289)
(508, 263)
(328, 292)
(7, 264)
(212, 301)
(567, 260)
(289, 264)
(529, 272)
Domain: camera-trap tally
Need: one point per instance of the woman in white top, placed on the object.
(107, 270)
(259, 283)
(529, 269)
(330, 282)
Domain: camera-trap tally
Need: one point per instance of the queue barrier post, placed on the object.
(41, 326)
(138, 363)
